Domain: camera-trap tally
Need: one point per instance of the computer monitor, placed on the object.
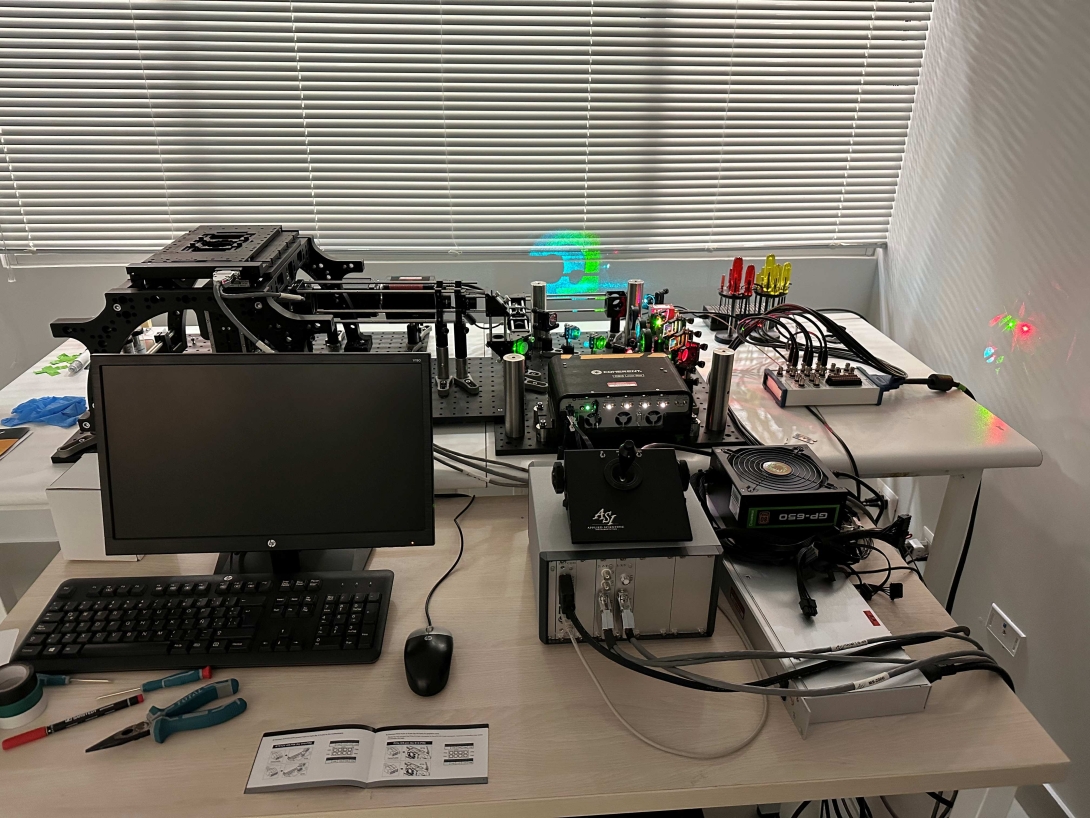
(282, 454)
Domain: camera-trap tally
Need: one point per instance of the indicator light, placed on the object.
(644, 405)
(627, 405)
(662, 404)
(609, 406)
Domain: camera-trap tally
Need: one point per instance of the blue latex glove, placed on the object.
(51, 410)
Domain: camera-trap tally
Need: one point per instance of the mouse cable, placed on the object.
(461, 549)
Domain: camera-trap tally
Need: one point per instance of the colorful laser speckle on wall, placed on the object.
(582, 256)
(1023, 334)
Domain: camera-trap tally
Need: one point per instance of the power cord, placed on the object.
(461, 550)
(733, 748)
(217, 294)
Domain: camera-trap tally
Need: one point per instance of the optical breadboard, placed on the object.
(671, 588)
(764, 602)
(850, 386)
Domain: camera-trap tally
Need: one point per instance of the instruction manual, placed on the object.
(355, 755)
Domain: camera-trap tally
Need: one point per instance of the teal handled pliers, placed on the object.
(182, 715)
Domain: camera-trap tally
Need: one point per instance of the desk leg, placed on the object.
(957, 507)
(995, 802)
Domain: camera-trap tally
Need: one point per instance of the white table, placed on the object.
(915, 432)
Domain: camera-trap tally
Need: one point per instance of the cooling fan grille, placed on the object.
(777, 468)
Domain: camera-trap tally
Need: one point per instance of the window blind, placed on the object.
(462, 126)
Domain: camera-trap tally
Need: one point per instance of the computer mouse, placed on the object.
(428, 652)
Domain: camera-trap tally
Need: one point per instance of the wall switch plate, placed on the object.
(1000, 626)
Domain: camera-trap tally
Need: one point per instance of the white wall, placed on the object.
(39, 295)
(993, 213)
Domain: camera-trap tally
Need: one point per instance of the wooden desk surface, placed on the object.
(555, 749)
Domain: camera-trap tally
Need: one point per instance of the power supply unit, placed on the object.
(763, 488)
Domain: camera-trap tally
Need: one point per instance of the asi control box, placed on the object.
(670, 588)
(621, 396)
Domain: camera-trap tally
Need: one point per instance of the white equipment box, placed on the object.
(764, 601)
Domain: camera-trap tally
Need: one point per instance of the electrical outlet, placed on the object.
(1001, 626)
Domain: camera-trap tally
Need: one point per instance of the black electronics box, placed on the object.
(621, 396)
(647, 507)
(774, 488)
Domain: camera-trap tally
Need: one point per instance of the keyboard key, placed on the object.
(115, 637)
(236, 586)
(55, 607)
(71, 650)
(158, 589)
(83, 638)
(239, 645)
(121, 649)
(223, 588)
(199, 646)
(250, 587)
(53, 639)
(94, 590)
(265, 646)
(122, 590)
(236, 633)
(179, 647)
(299, 585)
(370, 614)
(296, 645)
(314, 585)
(98, 638)
(68, 639)
(201, 588)
(51, 651)
(138, 589)
(45, 627)
(218, 646)
(173, 588)
(264, 586)
(52, 617)
(374, 596)
(29, 651)
(345, 598)
(36, 639)
(327, 643)
(66, 590)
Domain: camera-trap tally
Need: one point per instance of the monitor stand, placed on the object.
(286, 563)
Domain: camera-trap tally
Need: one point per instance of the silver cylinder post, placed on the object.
(514, 420)
(538, 296)
(633, 307)
(719, 390)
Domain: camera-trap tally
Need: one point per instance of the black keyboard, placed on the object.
(232, 620)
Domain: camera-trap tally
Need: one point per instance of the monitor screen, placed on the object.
(223, 452)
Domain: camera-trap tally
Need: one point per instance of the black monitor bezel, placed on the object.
(251, 543)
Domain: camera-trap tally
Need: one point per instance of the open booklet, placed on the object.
(359, 756)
